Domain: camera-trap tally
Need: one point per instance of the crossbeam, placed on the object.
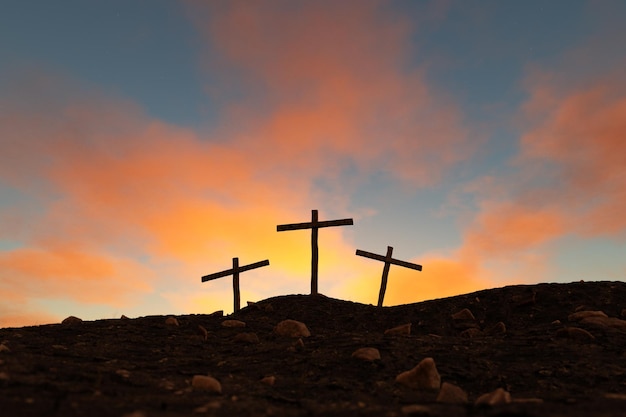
(236, 269)
(314, 225)
(388, 260)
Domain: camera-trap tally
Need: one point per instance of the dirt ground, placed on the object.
(143, 367)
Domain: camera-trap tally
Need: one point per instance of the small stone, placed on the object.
(166, 385)
(171, 321)
(614, 396)
(497, 397)
(611, 322)
(416, 410)
(206, 383)
(366, 354)
(233, 323)
(213, 405)
(451, 394)
(471, 333)
(123, 317)
(527, 400)
(585, 314)
(269, 380)
(138, 413)
(4, 377)
(464, 314)
(203, 332)
(4, 348)
(575, 333)
(556, 322)
(291, 328)
(623, 313)
(123, 373)
(423, 377)
(497, 329)
(218, 313)
(296, 346)
(246, 338)
(399, 330)
(71, 320)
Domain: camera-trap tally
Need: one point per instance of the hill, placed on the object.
(545, 344)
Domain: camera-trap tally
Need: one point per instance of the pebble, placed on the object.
(575, 333)
(123, 317)
(416, 410)
(218, 313)
(246, 338)
(291, 328)
(71, 320)
(497, 397)
(464, 314)
(171, 321)
(398, 330)
(213, 405)
(471, 333)
(623, 313)
(269, 380)
(4, 348)
(202, 331)
(233, 323)
(451, 394)
(611, 322)
(497, 329)
(423, 376)
(206, 383)
(585, 314)
(367, 354)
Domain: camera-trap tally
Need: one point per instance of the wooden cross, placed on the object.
(235, 273)
(388, 260)
(314, 224)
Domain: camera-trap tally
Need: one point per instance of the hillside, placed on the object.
(520, 339)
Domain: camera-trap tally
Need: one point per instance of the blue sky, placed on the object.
(148, 143)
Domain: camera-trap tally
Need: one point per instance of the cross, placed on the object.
(314, 224)
(388, 260)
(235, 273)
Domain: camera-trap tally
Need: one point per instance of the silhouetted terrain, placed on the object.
(523, 339)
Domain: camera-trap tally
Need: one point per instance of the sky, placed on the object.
(145, 144)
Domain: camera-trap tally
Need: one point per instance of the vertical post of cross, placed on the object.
(314, 251)
(236, 293)
(383, 283)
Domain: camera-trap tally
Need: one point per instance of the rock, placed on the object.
(205, 408)
(71, 320)
(123, 373)
(575, 333)
(246, 338)
(233, 323)
(398, 330)
(123, 317)
(206, 383)
(269, 380)
(297, 345)
(451, 394)
(171, 321)
(585, 314)
(423, 377)
(464, 314)
(218, 313)
(497, 329)
(203, 332)
(416, 410)
(497, 397)
(291, 328)
(600, 321)
(4, 348)
(623, 313)
(471, 333)
(367, 354)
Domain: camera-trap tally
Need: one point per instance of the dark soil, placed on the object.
(143, 367)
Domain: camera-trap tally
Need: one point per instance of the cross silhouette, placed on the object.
(314, 225)
(388, 260)
(236, 269)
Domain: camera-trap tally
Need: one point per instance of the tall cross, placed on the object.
(314, 224)
(235, 273)
(388, 260)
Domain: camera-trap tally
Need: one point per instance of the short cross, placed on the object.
(388, 260)
(314, 225)
(235, 273)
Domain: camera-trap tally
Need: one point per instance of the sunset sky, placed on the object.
(145, 144)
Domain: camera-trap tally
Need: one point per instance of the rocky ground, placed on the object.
(542, 350)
